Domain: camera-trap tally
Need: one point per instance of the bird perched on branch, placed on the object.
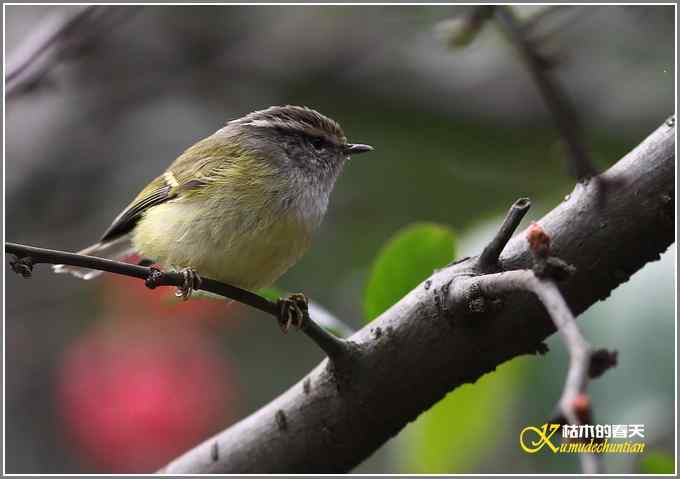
(239, 206)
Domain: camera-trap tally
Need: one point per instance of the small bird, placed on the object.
(239, 206)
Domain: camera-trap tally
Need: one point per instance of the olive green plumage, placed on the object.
(239, 206)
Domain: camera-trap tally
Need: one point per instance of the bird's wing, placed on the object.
(189, 172)
(157, 192)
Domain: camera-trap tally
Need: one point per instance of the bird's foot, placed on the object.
(191, 282)
(293, 311)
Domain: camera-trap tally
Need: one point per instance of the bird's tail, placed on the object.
(115, 249)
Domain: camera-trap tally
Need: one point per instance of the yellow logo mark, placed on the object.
(543, 437)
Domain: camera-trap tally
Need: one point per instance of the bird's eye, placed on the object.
(318, 143)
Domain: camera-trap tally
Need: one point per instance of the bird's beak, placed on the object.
(356, 148)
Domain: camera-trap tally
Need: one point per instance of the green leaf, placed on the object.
(272, 293)
(465, 427)
(657, 463)
(407, 259)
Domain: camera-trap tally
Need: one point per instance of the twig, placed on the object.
(489, 257)
(42, 39)
(584, 363)
(460, 31)
(580, 351)
(539, 18)
(332, 345)
(48, 256)
(563, 113)
(44, 47)
(29, 256)
(541, 282)
(561, 16)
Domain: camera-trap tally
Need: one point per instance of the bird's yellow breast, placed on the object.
(245, 247)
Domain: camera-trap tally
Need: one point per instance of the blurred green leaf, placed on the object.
(657, 463)
(272, 293)
(458, 432)
(406, 260)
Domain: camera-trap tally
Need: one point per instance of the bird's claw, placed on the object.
(191, 282)
(293, 311)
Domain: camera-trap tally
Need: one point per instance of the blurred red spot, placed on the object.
(581, 405)
(134, 398)
(539, 241)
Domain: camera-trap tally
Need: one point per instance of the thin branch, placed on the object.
(462, 30)
(539, 18)
(170, 278)
(555, 98)
(489, 257)
(574, 404)
(42, 39)
(333, 346)
(579, 349)
(552, 19)
(29, 256)
(44, 48)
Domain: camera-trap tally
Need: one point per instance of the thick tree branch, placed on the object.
(29, 256)
(432, 341)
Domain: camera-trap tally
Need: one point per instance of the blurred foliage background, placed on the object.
(106, 376)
